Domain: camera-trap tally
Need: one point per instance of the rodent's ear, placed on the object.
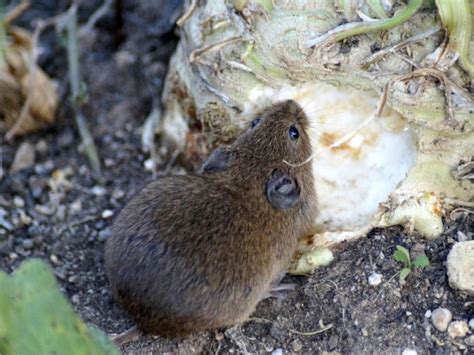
(220, 159)
(282, 191)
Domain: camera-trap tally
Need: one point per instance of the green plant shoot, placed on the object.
(402, 254)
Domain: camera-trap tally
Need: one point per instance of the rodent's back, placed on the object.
(185, 249)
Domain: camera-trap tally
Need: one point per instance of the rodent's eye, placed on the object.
(293, 133)
(255, 122)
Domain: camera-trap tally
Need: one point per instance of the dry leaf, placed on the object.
(15, 87)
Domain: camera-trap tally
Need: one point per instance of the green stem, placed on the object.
(74, 82)
(357, 28)
(457, 20)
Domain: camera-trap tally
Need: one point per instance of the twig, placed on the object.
(198, 52)
(240, 66)
(96, 16)
(383, 286)
(408, 60)
(15, 12)
(76, 223)
(219, 93)
(456, 202)
(74, 79)
(392, 49)
(322, 330)
(465, 171)
(448, 85)
(189, 11)
(457, 210)
(169, 164)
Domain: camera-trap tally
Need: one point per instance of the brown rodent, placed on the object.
(196, 252)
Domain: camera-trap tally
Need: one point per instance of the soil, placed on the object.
(68, 215)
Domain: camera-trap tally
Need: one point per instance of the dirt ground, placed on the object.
(333, 311)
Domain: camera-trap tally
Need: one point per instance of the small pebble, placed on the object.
(100, 224)
(45, 168)
(118, 194)
(462, 237)
(109, 162)
(24, 157)
(219, 336)
(27, 244)
(104, 234)
(54, 259)
(149, 165)
(277, 352)
(65, 139)
(409, 351)
(469, 341)
(428, 314)
(296, 345)
(99, 190)
(458, 329)
(6, 224)
(460, 263)
(18, 202)
(37, 191)
(34, 230)
(38, 241)
(107, 214)
(441, 318)
(365, 332)
(333, 340)
(41, 146)
(60, 274)
(125, 57)
(75, 299)
(471, 323)
(375, 279)
(76, 206)
(25, 219)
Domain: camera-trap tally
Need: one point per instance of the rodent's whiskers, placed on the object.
(246, 119)
(337, 143)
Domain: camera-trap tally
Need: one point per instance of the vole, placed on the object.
(199, 251)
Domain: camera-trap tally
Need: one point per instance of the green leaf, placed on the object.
(35, 318)
(402, 254)
(421, 261)
(403, 274)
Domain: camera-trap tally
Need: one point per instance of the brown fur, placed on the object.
(196, 252)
